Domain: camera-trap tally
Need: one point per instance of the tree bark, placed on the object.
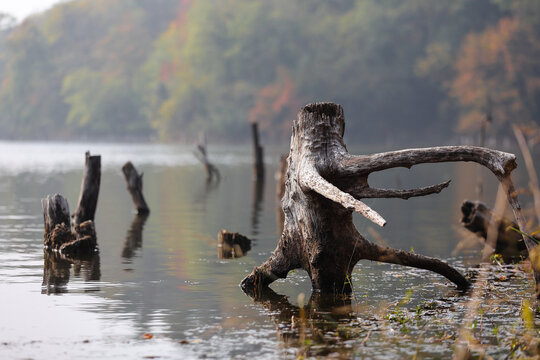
(323, 187)
(477, 218)
(88, 196)
(57, 222)
(202, 154)
(135, 185)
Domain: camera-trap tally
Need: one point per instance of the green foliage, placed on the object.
(176, 67)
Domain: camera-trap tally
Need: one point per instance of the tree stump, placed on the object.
(323, 187)
(232, 245)
(202, 154)
(58, 235)
(477, 218)
(57, 222)
(88, 196)
(135, 185)
(258, 153)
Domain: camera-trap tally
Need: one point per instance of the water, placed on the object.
(163, 292)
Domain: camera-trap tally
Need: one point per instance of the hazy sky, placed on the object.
(22, 8)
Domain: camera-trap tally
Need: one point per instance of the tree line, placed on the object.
(168, 69)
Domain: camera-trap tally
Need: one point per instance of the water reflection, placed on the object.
(134, 237)
(57, 268)
(232, 245)
(258, 198)
(315, 329)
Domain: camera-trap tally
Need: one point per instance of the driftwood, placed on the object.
(477, 218)
(258, 153)
(323, 187)
(88, 196)
(232, 245)
(135, 185)
(57, 229)
(211, 171)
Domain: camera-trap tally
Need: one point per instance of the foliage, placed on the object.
(176, 67)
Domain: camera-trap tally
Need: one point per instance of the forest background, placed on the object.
(420, 71)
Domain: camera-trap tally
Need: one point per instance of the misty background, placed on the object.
(415, 71)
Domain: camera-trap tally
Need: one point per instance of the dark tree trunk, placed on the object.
(323, 187)
(135, 185)
(88, 196)
(477, 218)
(258, 153)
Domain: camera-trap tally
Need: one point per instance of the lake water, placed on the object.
(159, 290)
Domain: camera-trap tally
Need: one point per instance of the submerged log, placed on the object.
(258, 153)
(232, 245)
(88, 196)
(477, 218)
(323, 187)
(135, 186)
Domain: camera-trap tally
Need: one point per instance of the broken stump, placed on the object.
(323, 186)
(88, 196)
(135, 185)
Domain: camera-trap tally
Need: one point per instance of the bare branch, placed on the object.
(400, 257)
(312, 180)
(500, 163)
(369, 192)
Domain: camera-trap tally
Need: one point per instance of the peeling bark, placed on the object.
(323, 188)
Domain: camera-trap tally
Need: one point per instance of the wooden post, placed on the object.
(57, 222)
(258, 153)
(323, 187)
(88, 196)
(135, 185)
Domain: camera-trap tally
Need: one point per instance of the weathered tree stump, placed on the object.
(281, 175)
(258, 153)
(211, 171)
(232, 245)
(324, 183)
(135, 185)
(57, 221)
(88, 196)
(58, 235)
(477, 218)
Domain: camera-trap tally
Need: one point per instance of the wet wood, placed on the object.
(232, 245)
(477, 218)
(89, 193)
(58, 235)
(135, 186)
(258, 153)
(211, 171)
(57, 221)
(323, 188)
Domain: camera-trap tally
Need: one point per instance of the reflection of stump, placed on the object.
(135, 186)
(324, 183)
(55, 273)
(134, 237)
(232, 245)
(477, 218)
(88, 197)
